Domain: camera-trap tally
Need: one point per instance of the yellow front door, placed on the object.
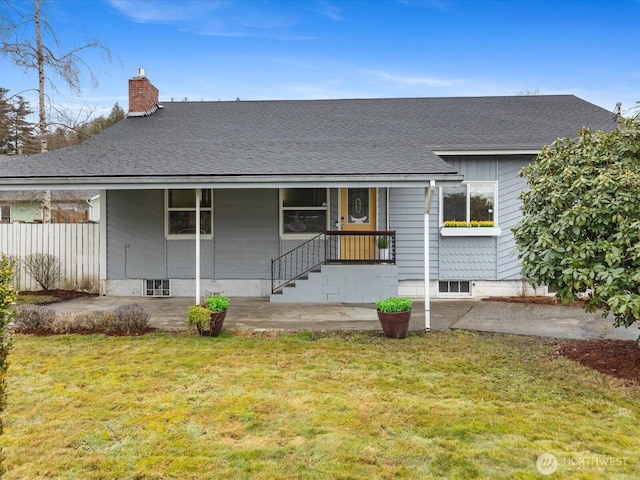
(358, 214)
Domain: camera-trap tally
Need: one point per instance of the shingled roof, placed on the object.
(384, 138)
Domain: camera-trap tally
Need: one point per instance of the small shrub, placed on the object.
(394, 304)
(7, 312)
(94, 321)
(44, 268)
(34, 317)
(130, 318)
(198, 315)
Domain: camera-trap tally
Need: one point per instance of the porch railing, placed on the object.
(336, 247)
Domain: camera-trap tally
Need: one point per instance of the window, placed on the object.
(358, 206)
(469, 209)
(303, 210)
(5, 214)
(454, 287)
(181, 213)
(157, 288)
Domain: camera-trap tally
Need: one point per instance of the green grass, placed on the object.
(311, 406)
(35, 299)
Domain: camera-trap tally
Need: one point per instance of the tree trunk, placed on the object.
(46, 196)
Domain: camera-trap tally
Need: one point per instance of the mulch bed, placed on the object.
(619, 358)
(537, 300)
(60, 295)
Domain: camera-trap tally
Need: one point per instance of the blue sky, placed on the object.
(313, 49)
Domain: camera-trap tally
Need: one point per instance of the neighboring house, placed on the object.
(202, 196)
(67, 206)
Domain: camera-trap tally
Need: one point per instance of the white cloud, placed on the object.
(412, 80)
(162, 11)
(329, 10)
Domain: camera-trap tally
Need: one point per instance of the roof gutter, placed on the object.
(488, 151)
(229, 182)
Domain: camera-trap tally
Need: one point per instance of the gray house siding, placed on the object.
(245, 237)
(468, 258)
(136, 246)
(406, 217)
(181, 256)
(486, 258)
(510, 185)
(245, 233)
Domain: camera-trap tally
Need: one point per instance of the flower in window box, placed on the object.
(472, 223)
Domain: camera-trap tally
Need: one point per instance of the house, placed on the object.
(288, 199)
(67, 206)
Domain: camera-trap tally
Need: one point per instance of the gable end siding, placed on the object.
(510, 185)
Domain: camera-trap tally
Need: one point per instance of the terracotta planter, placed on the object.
(395, 325)
(215, 327)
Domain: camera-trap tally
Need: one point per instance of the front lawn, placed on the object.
(312, 406)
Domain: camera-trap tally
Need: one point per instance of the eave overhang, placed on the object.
(228, 182)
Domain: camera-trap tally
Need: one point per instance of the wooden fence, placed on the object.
(76, 245)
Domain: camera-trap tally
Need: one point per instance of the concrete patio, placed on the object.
(474, 315)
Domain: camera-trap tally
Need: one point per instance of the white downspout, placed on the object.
(198, 195)
(428, 198)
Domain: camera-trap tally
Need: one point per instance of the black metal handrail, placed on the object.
(335, 247)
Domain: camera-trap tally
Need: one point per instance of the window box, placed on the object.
(470, 231)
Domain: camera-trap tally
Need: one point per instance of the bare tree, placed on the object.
(529, 92)
(27, 49)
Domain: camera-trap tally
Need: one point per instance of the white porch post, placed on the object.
(428, 198)
(198, 195)
(103, 242)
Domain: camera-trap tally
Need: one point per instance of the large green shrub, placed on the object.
(579, 232)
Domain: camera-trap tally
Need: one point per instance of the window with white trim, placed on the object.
(469, 208)
(5, 214)
(181, 213)
(303, 211)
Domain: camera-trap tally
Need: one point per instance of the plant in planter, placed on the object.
(472, 223)
(394, 314)
(209, 317)
(383, 247)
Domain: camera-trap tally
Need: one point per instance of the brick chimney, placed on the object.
(143, 97)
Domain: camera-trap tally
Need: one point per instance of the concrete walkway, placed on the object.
(484, 316)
